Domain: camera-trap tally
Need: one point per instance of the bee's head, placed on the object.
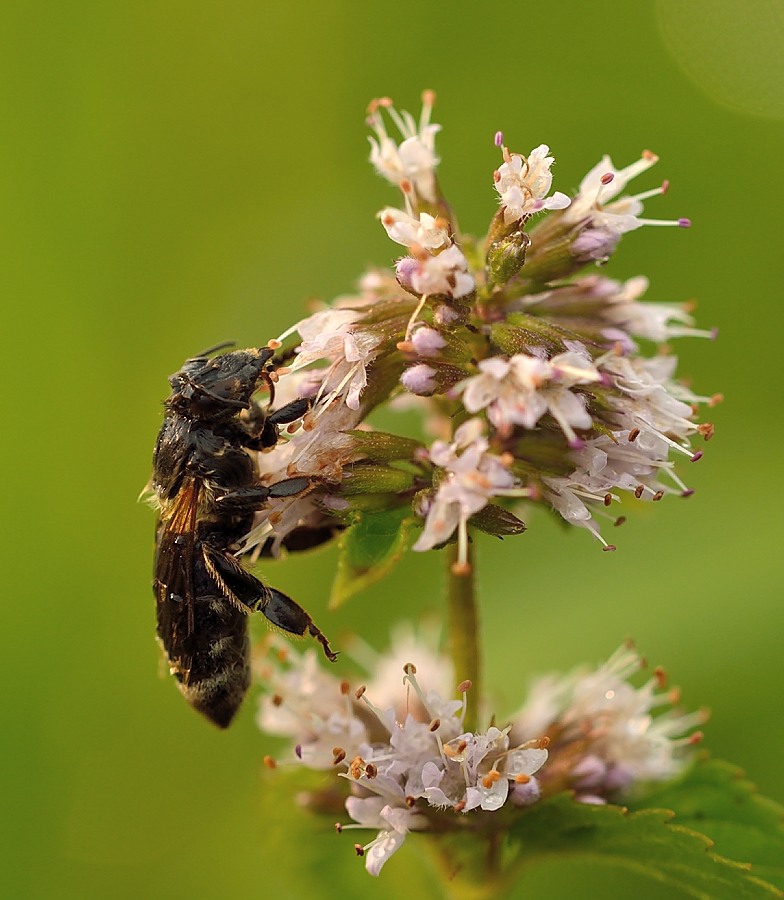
(218, 387)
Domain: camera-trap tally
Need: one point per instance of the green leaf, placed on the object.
(715, 799)
(369, 549)
(647, 842)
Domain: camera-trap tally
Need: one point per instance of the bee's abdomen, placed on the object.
(214, 671)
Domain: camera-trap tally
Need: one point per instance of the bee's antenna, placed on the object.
(213, 349)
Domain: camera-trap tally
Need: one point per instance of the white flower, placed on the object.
(445, 273)
(523, 184)
(426, 231)
(520, 390)
(394, 821)
(472, 476)
(337, 335)
(413, 160)
(595, 206)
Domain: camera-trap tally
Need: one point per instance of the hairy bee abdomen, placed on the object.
(211, 664)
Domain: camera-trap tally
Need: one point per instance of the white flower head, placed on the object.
(523, 184)
(609, 729)
(414, 159)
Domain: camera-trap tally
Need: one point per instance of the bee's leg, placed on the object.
(290, 412)
(280, 610)
(253, 498)
(289, 616)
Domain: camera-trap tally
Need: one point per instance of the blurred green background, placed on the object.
(180, 173)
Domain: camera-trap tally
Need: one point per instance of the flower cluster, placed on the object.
(527, 368)
(410, 764)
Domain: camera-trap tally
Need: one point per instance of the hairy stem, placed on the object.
(463, 625)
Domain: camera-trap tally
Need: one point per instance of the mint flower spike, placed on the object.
(609, 738)
(409, 764)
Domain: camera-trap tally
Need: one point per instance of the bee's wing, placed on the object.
(174, 573)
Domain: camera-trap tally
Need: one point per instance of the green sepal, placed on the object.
(496, 520)
(369, 549)
(506, 257)
(380, 446)
(369, 478)
(521, 332)
(648, 842)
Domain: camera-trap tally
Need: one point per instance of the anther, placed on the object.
(410, 801)
(298, 751)
(345, 687)
(607, 178)
(338, 828)
(684, 223)
(696, 738)
(406, 186)
(687, 493)
(607, 499)
(619, 521)
(633, 435)
(716, 399)
(674, 696)
(405, 346)
(464, 686)
(639, 490)
(609, 548)
(274, 345)
(459, 806)
(338, 755)
(658, 495)
(359, 850)
(696, 456)
(706, 429)
(292, 427)
(490, 779)
(435, 724)
(273, 376)
(665, 186)
(498, 139)
(522, 778)
(544, 742)
(277, 700)
(660, 674)
(370, 770)
(409, 669)
(270, 763)
(360, 691)
(461, 569)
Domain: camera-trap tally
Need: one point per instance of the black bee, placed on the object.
(207, 488)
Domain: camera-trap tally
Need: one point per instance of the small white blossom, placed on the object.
(445, 273)
(523, 184)
(337, 336)
(472, 476)
(414, 159)
(595, 205)
(520, 390)
(426, 231)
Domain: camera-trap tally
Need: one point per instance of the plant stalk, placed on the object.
(463, 626)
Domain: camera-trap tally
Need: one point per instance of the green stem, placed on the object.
(463, 626)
